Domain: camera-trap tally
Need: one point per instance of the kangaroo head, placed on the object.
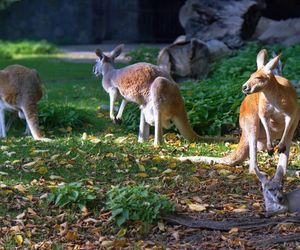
(272, 190)
(106, 58)
(260, 79)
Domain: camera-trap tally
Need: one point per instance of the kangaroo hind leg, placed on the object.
(30, 113)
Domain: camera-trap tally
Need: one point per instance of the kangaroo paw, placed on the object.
(270, 151)
(281, 148)
(118, 121)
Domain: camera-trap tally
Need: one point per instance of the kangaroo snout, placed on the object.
(246, 89)
(95, 71)
(280, 198)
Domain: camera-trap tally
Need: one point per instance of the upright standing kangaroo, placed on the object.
(276, 201)
(151, 88)
(270, 111)
(20, 90)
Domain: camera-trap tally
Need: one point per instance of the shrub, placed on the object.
(71, 194)
(137, 203)
(61, 116)
(10, 49)
(4, 54)
(144, 54)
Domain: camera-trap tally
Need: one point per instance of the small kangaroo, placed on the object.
(270, 111)
(157, 95)
(276, 201)
(20, 91)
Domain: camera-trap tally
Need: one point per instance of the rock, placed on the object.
(186, 59)
(217, 49)
(181, 38)
(267, 31)
(229, 21)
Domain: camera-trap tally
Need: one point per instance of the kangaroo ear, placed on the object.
(279, 174)
(99, 53)
(263, 177)
(272, 64)
(261, 58)
(117, 51)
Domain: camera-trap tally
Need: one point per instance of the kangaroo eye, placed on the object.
(259, 78)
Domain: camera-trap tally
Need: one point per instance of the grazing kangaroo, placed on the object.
(20, 91)
(157, 95)
(270, 111)
(276, 201)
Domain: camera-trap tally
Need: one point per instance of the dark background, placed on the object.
(95, 21)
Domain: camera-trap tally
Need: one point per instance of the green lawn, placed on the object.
(88, 148)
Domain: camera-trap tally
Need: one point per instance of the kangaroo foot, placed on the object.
(281, 148)
(270, 150)
(117, 121)
(44, 139)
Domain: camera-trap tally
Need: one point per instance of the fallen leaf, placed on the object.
(31, 211)
(107, 243)
(240, 210)
(197, 207)
(72, 235)
(42, 170)
(56, 177)
(19, 239)
(144, 175)
(30, 164)
(161, 226)
(172, 165)
(175, 234)
(20, 188)
(167, 171)
(120, 140)
(21, 216)
(121, 232)
(54, 157)
(233, 230)
(142, 168)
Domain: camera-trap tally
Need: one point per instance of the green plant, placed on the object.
(71, 193)
(60, 116)
(4, 54)
(144, 54)
(26, 47)
(137, 203)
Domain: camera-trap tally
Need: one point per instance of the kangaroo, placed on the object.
(20, 91)
(157, 95)
(270, 111)
(276, 201)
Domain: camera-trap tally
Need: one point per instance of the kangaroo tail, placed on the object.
(182, 124)
(235, 158)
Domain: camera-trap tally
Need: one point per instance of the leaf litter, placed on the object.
(209, 192)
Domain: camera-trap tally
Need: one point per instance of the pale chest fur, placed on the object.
(272, 112)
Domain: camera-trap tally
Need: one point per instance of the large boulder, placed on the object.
(229, 21)
(285, 32)
(185, 59)
(190, 58)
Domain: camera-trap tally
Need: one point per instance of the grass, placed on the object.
(88, 148)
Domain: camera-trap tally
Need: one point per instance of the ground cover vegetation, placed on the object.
(95, 187)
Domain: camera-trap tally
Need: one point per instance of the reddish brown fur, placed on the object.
(136, 81)
(21, 88)
(151, 88)
(272, 99)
